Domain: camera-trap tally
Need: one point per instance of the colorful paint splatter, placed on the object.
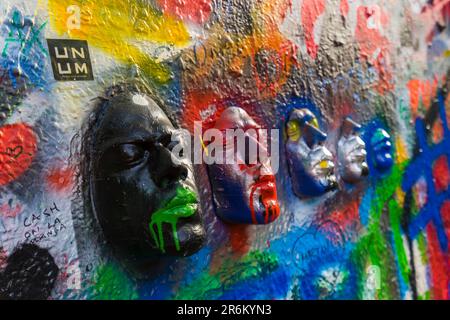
(383, 64)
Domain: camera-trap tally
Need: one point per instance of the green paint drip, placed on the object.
(183, 205)
(394, 214)
(371, 250)
(422, 244)
(111, 283)
(425, 296)
(209, 286)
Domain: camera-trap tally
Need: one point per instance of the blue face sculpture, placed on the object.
(310, 163)
(382, 150)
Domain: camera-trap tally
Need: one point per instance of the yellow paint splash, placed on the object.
(113, 25)
(402, 151)
(293, 130)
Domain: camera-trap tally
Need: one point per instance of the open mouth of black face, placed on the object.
(176, 228)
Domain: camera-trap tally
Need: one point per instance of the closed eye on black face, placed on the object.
(129, 153)
(123, 156)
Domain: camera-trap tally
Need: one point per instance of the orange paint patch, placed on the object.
(60, 179)
(421, 93)
(199, 106)
(283, 59)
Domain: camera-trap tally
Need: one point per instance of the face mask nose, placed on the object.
(164, 171)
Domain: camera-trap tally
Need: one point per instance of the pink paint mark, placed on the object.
(311, 11)
(344, 8)
(433, 15)
(9, 212)
(197, 11)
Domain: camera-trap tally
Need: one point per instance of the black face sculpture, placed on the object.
(147, 206)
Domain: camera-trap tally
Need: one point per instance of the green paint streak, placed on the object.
(111, 283)
(183, 205)
(422, 244)
(209, 286)
(394, 214)
(371, 250)
(23, 38)
(425, 296)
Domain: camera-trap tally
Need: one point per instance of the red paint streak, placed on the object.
(439, 265)
(60, 179)
(268, 189)
(445, 215)
(18, 145)
(8, 212)
(198, 102)
(239, 238)
(374, 47)
(311, 11)
(340, 222)
(197, 11)
(441, 174)
(347, 215)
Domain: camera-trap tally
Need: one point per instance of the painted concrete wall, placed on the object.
(384, 63)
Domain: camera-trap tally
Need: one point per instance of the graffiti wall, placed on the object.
(354, 97)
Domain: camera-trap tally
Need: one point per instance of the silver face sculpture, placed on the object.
(310, 162)
(351, 152)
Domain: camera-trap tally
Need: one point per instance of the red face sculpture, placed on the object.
(243, 184)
